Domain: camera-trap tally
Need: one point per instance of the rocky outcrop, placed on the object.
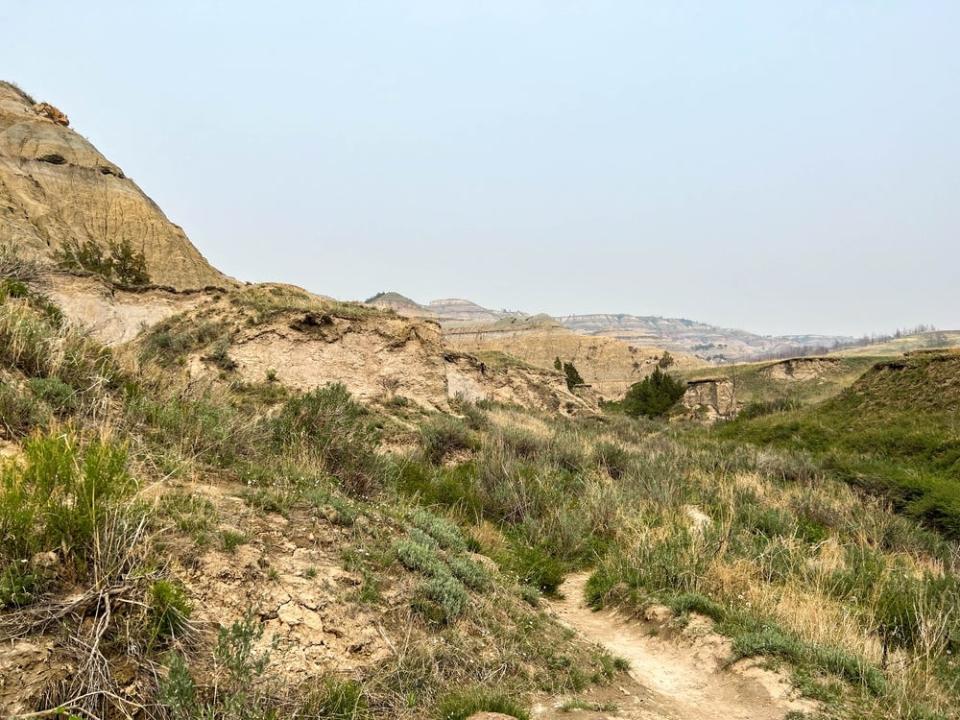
(449, 312)
(377, 356)
(114, 315)
(710, 399)
(474, 380)
(800, 369)
(284, 334)
(56, 188)
(607, 365)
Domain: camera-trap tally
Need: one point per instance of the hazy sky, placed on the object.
(777, 166)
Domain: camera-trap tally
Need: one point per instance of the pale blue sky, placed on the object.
(777, 166)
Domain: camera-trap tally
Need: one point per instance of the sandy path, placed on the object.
(673, 679)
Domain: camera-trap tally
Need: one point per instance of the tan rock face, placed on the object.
(372, 357)
(56, 187)
(710, 399)
(305, 341)
(608, 365)
(114, 316)
(471, 379)
(800, 369)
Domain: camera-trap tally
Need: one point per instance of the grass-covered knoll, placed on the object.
(929, 340)
(896, 430)
(761, 386)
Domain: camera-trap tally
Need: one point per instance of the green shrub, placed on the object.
(534, 565)
(169, 341)
(759, 408)
(329, 425)
(336, 700)
(230, 540)
(473, 415)
(63, 498)
(773, 642)
(57, 394)
(168, 610)
(470, 573)
(448, 594)
(238, 667)
(565, 452)
(653, 396)
(461, 705)
(522, 444)
(442, 436)
(530, 595)
(419, 556)
(572, 376)
(203, 429)
(446, 534)
(118, 262)
(191, 514)
(19, 412)
(612, 459)
(697, 603)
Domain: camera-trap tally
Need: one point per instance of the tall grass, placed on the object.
(65, 498)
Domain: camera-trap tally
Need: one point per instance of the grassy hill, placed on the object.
(897, 429)
(934, 339)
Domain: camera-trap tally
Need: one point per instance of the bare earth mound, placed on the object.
(277, 333)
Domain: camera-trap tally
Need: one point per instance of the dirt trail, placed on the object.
(676, 678)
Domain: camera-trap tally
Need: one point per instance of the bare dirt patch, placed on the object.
(676, 675)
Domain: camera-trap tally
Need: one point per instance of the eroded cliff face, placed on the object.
(115, 315)
(710, 399)
(608, 365)
(286, 335)
(801, 369)
(469, 378)
(55, 187)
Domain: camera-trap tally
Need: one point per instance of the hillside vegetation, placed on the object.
(896, 430)
(182, 549)
(237, 548)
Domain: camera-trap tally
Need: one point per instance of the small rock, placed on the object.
(51, 113)
(658, 613)
(45, 560)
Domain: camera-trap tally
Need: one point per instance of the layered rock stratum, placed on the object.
(57, 188)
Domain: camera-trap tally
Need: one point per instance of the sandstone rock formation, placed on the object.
(609, 366)
(710, 399)
(474, 380)
(800, 369)
(55, 188)
(114, 315)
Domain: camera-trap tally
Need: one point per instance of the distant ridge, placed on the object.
(678, 335)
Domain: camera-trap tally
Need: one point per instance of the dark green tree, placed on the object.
(654, 395)
(573, 377)
(558, 365)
